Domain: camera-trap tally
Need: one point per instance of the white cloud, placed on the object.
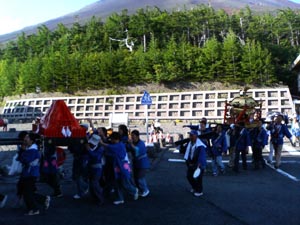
(9, 24)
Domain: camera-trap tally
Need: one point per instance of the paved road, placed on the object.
(249, 197)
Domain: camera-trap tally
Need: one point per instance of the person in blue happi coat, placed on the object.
(202, 129)
(30, 159)
(259, 138)
(295, 129)
(50, 173)
(242, 145)
(219, 146)
(95, 168)
(140, 162)
(195, 157)
(278, 130)
(122, 170)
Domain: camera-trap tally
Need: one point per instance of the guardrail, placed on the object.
(165, 106)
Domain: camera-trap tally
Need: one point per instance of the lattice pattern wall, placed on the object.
(181, 105)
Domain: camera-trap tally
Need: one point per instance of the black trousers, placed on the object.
(237, 159)
(195, 183)
(53, 180)
(96, 190)
(32, 199)
(1, 197)
(257, 157)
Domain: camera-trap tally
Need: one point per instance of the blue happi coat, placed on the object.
(278, 132)
(295, 129)
(259, 138)
(219, 144)
(120, 160)
(196, 154)
(140, 157)
(30, 160)
(243, 141)
(95, 161)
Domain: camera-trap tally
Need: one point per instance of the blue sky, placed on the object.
(17, 14)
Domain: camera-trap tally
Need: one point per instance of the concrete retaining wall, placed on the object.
(165, 106)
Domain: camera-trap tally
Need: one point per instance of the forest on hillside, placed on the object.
(154, 46)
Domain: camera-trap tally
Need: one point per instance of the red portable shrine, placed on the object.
(59, 126)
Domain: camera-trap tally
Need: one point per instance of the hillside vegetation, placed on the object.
(104, 8)
(154, 46)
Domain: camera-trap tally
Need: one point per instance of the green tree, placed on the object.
(209, 62)
(11, 51)
(24, 48)
(155, 61)
(29, 76)
(231, 58)
(76, 37)
(9, 72)
(171, 70)
(256, 64)
(92, 41)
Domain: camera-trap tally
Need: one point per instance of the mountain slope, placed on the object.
(103, 8)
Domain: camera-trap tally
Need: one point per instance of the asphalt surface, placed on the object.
(264, 196)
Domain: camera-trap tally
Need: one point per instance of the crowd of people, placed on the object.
(237, 141)
(107, 168)
(112, 165)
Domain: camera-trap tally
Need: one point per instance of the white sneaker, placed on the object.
(145, 193)
(47, 202)
(118, 202)
(192, 190)
(32, 213)
(77, 196)
(3, 202)
(86, 191)
(198, 194)
(136, 195)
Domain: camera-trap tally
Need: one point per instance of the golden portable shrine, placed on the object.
(243, 108)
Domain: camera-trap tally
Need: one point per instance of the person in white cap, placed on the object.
(279, 130)
(95, 165)
(195, 157)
